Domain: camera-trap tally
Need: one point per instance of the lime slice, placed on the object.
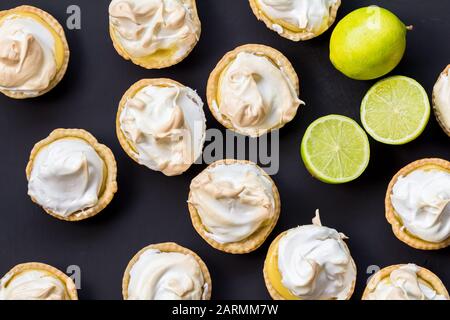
(395, 110)
(335, 149)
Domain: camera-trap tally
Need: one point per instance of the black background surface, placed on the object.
(151, 208)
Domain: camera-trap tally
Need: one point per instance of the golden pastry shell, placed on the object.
(255, 240)
(167, 247)
(125, 143)
(214, 79)
(290, 34)
(110, 183)
(60, 31)
(423, 273)
(393, 218)
(30, 266)
(168, 62)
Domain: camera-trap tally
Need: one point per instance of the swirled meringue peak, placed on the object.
(27, 55)
(315, 263)
(144, 27)
(67, 177)
(166, 126)
(233, 200)
(421, 199)
(255, 95)
(166, 276)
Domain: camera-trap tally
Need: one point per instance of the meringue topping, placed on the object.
(32, 285)
(67, 177)
(145, 26)
(166, 276)
(299, 15)
(255, 95)
(421, 199)
(166, 125)
(315, 263)
(233, 200)
(441, 94)
(404, 284)
(27, 55)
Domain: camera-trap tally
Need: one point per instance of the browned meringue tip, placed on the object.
(436, 108)
(110, 183)
(289, 34)
(167, 62)
(423, 273)
(52, 22)
(68, 282)
(392, 217)
(249, 244)
(167, 247)
(279, 59)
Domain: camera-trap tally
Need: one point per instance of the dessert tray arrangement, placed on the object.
(232, 207)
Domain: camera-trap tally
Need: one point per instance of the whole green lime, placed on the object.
(368, 43)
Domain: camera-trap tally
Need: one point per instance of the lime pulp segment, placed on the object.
(335, 149)
(395, 110)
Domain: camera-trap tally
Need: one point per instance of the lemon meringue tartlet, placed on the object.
(161, 124)
(441, 100)
(253, 90)
(154, 34)
(234, 205)
(37, 281)
(34, 53)
(417, 204)
(405, 282)
(296, 20)
(166, 271)
(71, 175)
(310, 262)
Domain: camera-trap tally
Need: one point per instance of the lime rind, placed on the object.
(389, 127)
(335, 149)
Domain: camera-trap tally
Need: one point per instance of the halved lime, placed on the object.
(335, 149)
(395, 110)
